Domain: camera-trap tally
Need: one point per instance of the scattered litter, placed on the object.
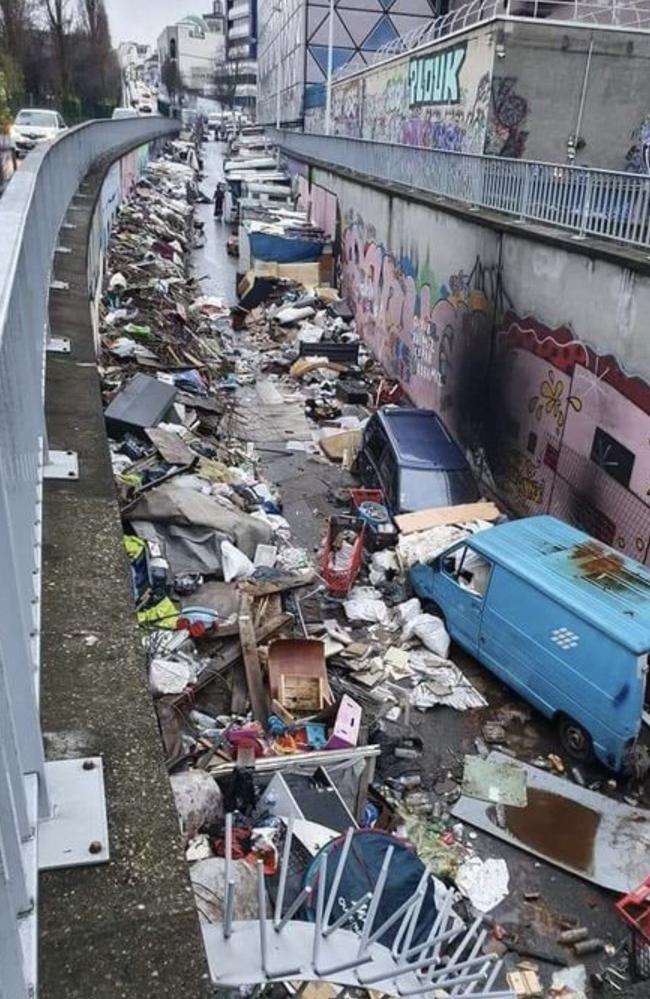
(483, 882)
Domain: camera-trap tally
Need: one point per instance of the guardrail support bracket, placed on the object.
(76, 832)
(62, 465)
(58, 345)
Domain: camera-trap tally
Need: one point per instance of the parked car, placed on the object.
(34, 125)
(120, 113)
(561, 618)
(410, 455)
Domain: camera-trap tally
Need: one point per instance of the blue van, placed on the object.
(561, 618)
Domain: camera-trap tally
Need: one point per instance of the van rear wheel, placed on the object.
(575, 739)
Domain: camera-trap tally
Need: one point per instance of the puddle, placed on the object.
(557, 828)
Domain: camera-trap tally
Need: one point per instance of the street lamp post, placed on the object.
(330, 61)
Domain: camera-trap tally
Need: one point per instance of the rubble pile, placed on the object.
(267, 660)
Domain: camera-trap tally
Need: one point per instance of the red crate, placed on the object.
(341, 580)
(634, 909)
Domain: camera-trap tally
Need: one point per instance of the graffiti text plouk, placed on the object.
(435, 79)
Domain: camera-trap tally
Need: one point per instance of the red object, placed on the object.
(634, 909)
(389, 393)
(359, 496)
(341, 580)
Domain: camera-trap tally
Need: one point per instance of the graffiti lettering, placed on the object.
(435, 79)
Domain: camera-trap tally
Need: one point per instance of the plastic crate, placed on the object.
(340, 581)
(634, 909)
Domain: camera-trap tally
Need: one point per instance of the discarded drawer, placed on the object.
(312, 797)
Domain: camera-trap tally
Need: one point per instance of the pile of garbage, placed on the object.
(277, 670)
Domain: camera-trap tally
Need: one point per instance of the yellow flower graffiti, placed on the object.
(550, 401)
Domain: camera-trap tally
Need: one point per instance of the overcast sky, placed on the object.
(143, 20)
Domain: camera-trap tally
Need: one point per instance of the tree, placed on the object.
(226, 80)
(59, 19)
(14, 24)
(171, 78)
(94, 23)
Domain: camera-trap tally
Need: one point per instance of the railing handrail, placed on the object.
(32, 210)
(476, 13)
(618, 205)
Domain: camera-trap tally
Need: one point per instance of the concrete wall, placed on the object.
(536, 355)
(521, 88)
(538, 86)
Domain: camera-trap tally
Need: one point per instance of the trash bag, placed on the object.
(198, 801)
(431, 631)
(235, 564)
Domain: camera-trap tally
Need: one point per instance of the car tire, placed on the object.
(575, 739)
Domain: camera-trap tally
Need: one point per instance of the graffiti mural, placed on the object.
(431, 333)
(506, 133)
(572, 434)
(440, 100)
(637, 159)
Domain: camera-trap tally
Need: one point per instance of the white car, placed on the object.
(33, 125)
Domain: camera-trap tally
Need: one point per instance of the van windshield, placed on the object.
(424, 488)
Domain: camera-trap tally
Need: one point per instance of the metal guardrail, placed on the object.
(32, 210)
(588, 202)
(631, 15)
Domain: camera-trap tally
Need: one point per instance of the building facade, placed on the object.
(513, 85)
(197, 46)
(241, 54)
(293, 48)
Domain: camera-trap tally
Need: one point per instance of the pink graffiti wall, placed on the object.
(574, 435)
(564, 429)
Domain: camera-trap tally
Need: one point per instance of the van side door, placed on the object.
(461, 587)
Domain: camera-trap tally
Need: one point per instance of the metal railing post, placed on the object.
(525, 194)
(586, 208)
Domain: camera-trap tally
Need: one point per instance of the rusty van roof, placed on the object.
(588, 577)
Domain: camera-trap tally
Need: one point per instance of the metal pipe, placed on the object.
(404, 907)
(330, 63)
(293, 908)
(338, 875)
(375, 900)
(320, 901)
(229, 908)
(583, 93)
(284, 871)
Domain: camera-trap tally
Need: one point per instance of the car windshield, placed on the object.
(424, 488)
(39, 119)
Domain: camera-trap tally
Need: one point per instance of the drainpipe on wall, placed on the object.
(330, 65)
(573, 140)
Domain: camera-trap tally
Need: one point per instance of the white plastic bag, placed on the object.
(365, 604)
(170, 676)
(431, 631)
(235, 564)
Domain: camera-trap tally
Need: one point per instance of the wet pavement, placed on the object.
(211, 263)
(542, 899)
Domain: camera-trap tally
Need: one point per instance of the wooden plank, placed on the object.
(254, 680)
(423, 520)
